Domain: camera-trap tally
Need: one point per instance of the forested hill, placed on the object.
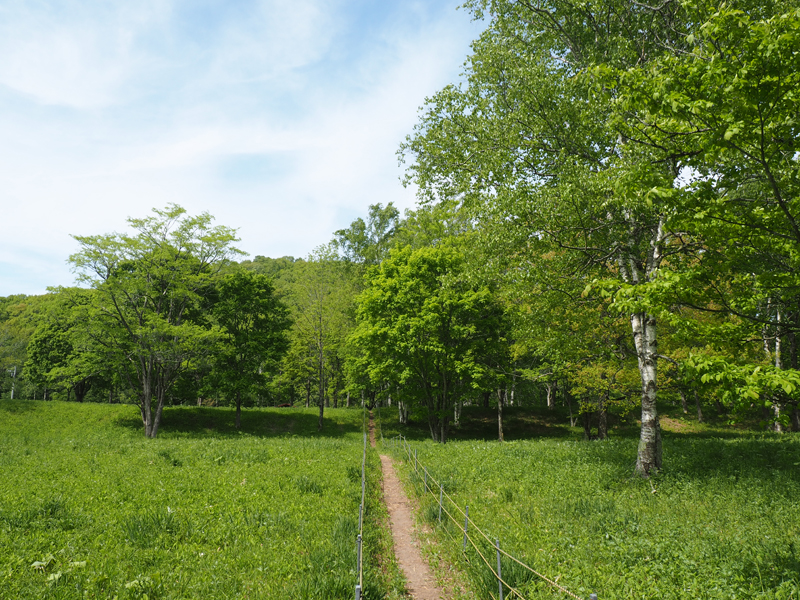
(609, 221)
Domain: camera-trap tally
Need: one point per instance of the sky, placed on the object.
(281, 118)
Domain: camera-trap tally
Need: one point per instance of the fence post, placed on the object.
(499, 573)
(358, 566)
(593, 596)
(466, 520)
(415, 459)
(441, 491)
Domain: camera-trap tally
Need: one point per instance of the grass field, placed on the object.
(721, 521)
(89, 508)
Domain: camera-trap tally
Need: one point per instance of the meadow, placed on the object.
(722, 520)
(90, 508)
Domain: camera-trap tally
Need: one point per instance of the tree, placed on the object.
(526, 143)
(426, 331)
(726, 111)
(366, 243)
(146, 312)
(320, 297)
(254, 324)
(58, 355)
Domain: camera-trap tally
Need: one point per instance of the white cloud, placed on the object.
(270, 116)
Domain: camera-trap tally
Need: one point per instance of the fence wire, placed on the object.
(360, 538)
(467, 520)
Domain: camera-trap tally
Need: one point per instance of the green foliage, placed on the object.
(266, 511)
(254, 323)
(426, 332)
(147, 313)
(367, 243)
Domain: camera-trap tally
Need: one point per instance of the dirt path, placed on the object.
(421, 583)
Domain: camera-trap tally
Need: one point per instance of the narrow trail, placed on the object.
(421, 583)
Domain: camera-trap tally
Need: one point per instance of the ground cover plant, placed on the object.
(89, 508)
(722, 520)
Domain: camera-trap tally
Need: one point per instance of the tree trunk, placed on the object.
(568, 398)
(348, 400)
(82, 388)
(402, 408)
(238, 410)
(699, 408)
(644, 336)
(308, 392)
(551, 403)
(795, 418)
(586, 419)
(500, 401)
(486, 399)
(321, 398)
(684, 403)
(602, 417)
(457, 405)
(433, 424)
(152, 419)
(777, 426)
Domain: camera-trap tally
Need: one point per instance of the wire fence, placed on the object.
(470, 530)
(360, 538)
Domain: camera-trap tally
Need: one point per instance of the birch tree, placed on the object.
(525, 141)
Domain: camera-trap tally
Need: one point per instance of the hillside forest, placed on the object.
(607, 222)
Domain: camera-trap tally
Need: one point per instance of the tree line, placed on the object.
(608, 221)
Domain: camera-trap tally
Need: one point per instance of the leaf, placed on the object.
(44, 563)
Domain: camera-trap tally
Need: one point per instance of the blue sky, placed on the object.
(281, 118)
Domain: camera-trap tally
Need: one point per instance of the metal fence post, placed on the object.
(358, 567)
(466, 520)
(499, 573)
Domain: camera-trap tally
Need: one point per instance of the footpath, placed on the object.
(420, 581)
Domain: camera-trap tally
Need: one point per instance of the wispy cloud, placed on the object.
(279, 118)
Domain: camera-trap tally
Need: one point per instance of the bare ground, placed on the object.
(421, 583)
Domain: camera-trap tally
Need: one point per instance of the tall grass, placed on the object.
(89, 508)
(721, 521)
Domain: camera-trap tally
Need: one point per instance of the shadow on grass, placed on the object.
(691, 450)
(20, 406)
(200, 422)
(480, 424)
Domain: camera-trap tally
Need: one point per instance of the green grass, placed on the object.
(89, 508)
(722, 520)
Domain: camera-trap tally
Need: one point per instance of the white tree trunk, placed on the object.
(644, 335)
